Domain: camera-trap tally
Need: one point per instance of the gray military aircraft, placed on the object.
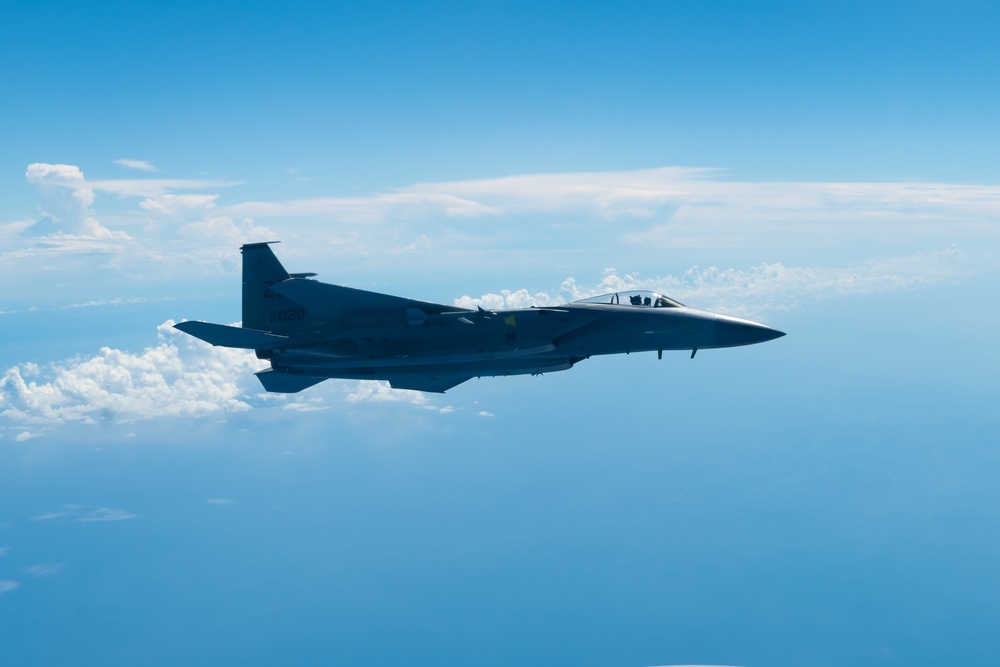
(311, 331)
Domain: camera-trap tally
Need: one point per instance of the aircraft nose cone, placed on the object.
(732, 332)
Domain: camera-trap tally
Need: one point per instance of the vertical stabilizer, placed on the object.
(262, 309)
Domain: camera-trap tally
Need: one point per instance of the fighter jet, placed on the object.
(311, 331)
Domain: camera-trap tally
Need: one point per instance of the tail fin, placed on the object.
(263, 309)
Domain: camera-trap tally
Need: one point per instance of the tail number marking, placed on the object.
(287, 315)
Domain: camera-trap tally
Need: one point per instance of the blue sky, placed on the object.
(823, 499)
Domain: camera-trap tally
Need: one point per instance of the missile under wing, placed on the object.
(311, 331)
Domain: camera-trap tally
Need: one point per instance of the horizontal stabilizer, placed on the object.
(285, 383)
(226, 336)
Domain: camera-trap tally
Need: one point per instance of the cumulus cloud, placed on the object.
(68, 225)
(747, 292)
(507, 299)
(380, 392)
(181, 376)
(68, 199)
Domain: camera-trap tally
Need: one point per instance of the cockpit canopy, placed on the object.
(643, 298)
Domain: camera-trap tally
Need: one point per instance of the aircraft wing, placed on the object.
(331, 301)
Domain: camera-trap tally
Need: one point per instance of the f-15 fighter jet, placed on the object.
(311, 331)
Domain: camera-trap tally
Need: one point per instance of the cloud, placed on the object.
(184, 227)
(141, 165)
(509, 299)
(106, 514)
(69, 226)
(224, 232)
(82, 513)
(118, 301)
(378, 391)
(6, 585)
(665, 207)
(4, 551)
(11, 230)
(689, 197)
(173, 205)
(43, 570)
(68, 199)
(156, 187)
(310, 404)
(609, 194)
(180, 376)
(372, 209)
(760, 289)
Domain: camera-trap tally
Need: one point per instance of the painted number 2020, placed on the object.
(288, 315)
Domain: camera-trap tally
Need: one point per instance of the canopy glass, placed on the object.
(641, 298)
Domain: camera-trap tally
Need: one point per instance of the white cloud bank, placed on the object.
(691, 199)
(178, 226)
(180, 376)
(750, 292)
